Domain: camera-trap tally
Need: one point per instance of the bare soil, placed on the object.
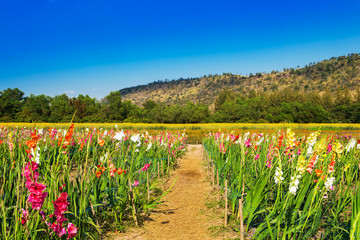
(184, 214)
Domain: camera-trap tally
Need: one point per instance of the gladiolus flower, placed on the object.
(34, 136)
(24, 217)
(136, 183)
(98, 174)
(146, 167)
(31, 144)
(331, 166)
(101, 142)
(318, 172)
(72, 230)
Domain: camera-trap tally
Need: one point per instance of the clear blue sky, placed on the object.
(97, 46)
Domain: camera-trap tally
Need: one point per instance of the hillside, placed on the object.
(335, 73)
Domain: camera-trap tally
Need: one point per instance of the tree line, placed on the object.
(258, 107)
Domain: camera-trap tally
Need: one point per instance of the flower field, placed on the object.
(78, 183)
(289, 186)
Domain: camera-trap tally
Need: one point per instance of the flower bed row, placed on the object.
(288, 186)
(68, 183)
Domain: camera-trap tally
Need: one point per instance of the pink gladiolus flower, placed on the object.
(37, 200)
(146, 167)
(37, 196)
(61, 204)
(248, 143)
(72, 230)
(257, 156)
(136, 183)
(58, 229)
(35, 188)
(329, 148)
(299, 152)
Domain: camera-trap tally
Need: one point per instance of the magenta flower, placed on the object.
(136, 183)
(61, 204)
(58, 229)
(37, 200)
(257, 156)
(329, 148)
(146, 167)
(37, 196)
(72, 230)
(35, 187)
(248, 143)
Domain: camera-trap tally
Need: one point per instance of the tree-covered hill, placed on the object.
(332, 74)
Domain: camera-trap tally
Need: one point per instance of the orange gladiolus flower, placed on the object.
(1, 141)
(69, 133)
(318, 172)
(59, 141)
(31, 144)
(101, 142)
(34, 136)
(98, 174)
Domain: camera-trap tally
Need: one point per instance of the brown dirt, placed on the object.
(182, 216)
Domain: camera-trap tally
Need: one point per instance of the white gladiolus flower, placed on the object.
(312, 138)
(329, 184)
(278, 175)
(309, 151)
(135, 138)
(103, 158)
(149, 146)
(350, 145)
(119, 135)
(294, 184)
(36, 154)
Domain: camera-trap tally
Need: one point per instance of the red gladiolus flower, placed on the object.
(311, 164)
(331, 166)
(98, 174)
(24, 217)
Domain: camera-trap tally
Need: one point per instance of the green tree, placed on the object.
(11, 102)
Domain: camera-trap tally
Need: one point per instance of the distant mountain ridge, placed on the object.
(334, 73)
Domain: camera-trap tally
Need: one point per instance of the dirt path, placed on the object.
(181, 217)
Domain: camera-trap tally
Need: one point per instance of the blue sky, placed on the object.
(97, 46)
